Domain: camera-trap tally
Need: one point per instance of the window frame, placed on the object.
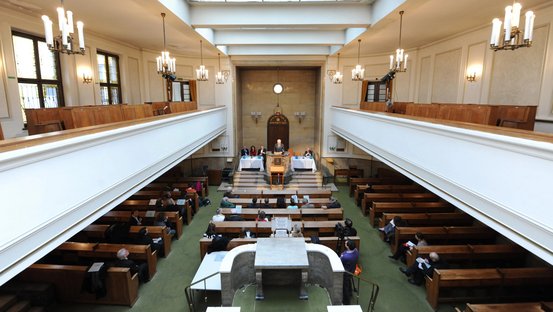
(39, 81)
(109, 84)
(378, 86)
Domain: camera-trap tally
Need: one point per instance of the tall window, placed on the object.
(38, 72)
(108, 73)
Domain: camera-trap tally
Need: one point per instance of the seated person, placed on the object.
(219, 216)
(281, 202)
(403, 248)
(225, 203)
(135, 219)
(308, 152)
(262, 151)
(261, 217)
(211, 230)
(144, 239)
(253, 204)
(266, 203)
(423, 267)
(306, 204)
(296, 231)
(244, 151)
(124, 262)
(390, 229)
(253, 151)
(279, 147)
(163, 220)
(293, 204)
(246, 233)
(334, 203)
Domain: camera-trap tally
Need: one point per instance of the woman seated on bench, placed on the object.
(403, 248)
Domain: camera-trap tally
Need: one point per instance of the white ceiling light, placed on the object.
(512, 35)
(202, 74)
(166, 65)
(64, 42)
(222, 75)
(399, 63)
(358, 73)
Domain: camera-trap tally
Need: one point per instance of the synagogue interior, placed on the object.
(276, 155)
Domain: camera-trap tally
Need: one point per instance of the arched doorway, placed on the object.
(278, 127)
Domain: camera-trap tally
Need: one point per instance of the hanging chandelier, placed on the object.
(202, 74)
(222, 75)
(337, 78)
(513, 38)
(399, 63)
(358, 73)
(166, 66)
(64, 42)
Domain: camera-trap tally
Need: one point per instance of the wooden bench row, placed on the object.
(97, 233)
(379, 208)
(245, 202)
(370, 198)
(312, 193)
(470, 253)
(144, 205)
(263, 229)
(305, 214)
(511, 307)
(115, 216)
(121, 286)
(356, 183)
(330, 242)
(524, 280)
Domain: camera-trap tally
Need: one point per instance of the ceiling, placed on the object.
(272, 29)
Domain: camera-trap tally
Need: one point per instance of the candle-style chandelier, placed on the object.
(399, 63)
(337, 78)
(222, 75)
(202, 74)
(64, 42)
(166, 66)
(512, 37)
(358, 73)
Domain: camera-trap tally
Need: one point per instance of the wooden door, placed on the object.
(278, 127)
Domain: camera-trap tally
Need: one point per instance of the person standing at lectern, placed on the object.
(244, 151)
(349, 259)
(279, 147)
(308, 153)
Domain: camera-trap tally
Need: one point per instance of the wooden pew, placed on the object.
(264, 229)
(152, 194)
(317, 202)
(250, 214)
(511, 307)
(144, 205)
(354, 182)
(370, 198)
(499, 278)
(121, 286)
(360, 190)
(176, 188)
(115, 216)
(444, 235)
(234, 228)
(428, 219)
(96, 232)
(320, 228)
(310, 228)
(108, 252)
(305, 214)
(469, 253)
(330, 242)
(313, 193)
(378, 208)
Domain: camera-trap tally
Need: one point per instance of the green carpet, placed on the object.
(165, 292)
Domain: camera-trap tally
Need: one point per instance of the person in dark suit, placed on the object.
(423, 267)
(135, 219)
(266, 203)
(244, 151)
(144, 239)
(253, 204)
(124, 262)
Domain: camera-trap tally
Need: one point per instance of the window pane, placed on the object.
(47, 61)
(29, 95)
(102, 74)
(176, 91)
(112, 62)
(24, 57)
(50, 92)
(104, 95)
(114, 95)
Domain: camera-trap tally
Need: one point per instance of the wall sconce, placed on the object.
(473, 72)
(87, 77)
(471, 77)
(256, 115)
(300, 115)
